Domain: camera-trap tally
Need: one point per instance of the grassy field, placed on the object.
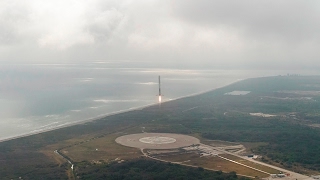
(101, 149)
(216, 163)
(212, 162)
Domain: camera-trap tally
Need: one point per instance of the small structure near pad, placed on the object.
(157, 140)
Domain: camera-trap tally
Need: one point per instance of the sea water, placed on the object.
(41, 97)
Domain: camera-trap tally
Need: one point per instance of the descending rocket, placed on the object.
(159, 91)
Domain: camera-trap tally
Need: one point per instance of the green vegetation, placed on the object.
(148, 169)
(24, 157)
(289, 139)
(30, 165)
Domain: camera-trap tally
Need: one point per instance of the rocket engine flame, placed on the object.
(159, 91)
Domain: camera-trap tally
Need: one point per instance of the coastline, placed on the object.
(112, 113)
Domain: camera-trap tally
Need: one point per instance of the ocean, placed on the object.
(41, 97)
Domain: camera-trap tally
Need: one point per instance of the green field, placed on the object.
(290, 139)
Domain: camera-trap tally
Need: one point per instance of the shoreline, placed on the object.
(112, 113)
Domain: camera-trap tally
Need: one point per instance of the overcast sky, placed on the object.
(264, 34)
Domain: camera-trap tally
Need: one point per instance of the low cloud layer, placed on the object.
(203, 34)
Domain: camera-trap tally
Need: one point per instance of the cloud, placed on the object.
(59, 24)
(103, 25)
(76, 23)
(287, 20)
(269, 34)
(203, 33)
(13, 16)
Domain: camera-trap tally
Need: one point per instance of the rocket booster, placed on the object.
(159, 91)
(159, 87)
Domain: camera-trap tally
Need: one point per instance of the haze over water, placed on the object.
(37, 97)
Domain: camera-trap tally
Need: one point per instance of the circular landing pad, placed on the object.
(157, 140)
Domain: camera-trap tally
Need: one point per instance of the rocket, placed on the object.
(159, 91)
(159, 87)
